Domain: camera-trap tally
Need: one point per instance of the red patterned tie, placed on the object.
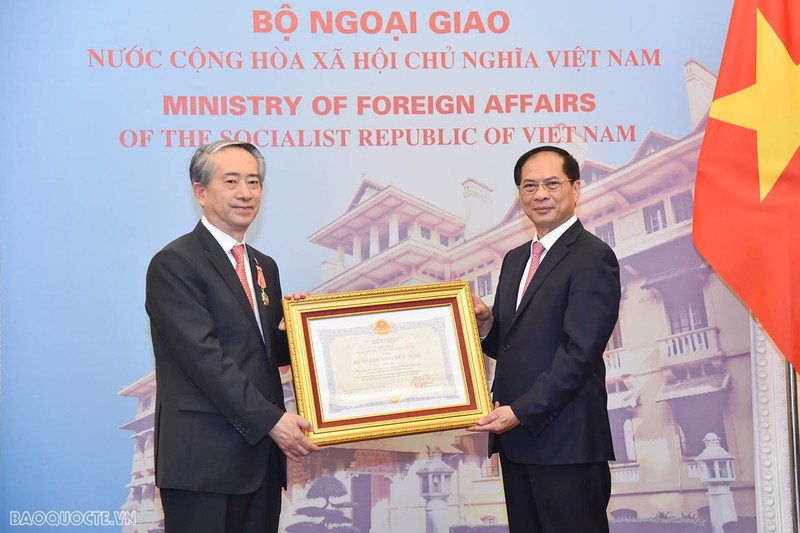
(536, 255)
(238, 254)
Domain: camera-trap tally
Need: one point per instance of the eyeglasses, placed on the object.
(530, 187)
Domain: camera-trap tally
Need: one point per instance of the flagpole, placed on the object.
(794, 432)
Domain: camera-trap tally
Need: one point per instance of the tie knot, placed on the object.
(238, 253)
(537, 250)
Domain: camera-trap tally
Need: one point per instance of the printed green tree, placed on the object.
(328, 517)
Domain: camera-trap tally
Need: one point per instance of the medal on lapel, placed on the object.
(262, 282)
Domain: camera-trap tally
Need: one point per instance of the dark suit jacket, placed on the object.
(219, 389)
(549, 352)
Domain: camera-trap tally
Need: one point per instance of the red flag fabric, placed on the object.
(747, 190)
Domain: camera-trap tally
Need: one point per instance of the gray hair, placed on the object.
(201, 168)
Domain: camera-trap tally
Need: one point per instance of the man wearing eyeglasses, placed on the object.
(548, 332)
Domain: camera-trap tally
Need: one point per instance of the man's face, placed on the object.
(547, 209)
(233, 195)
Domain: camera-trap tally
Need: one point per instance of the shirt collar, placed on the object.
(226, 241)
(550, 239)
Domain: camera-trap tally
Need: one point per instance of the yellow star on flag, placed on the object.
(771, 106)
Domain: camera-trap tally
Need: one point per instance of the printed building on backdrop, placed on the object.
(678, 363)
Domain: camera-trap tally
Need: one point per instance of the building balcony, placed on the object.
(389, 267)
(143, 422)
(624, 474)
(635, 239)
(689, 346)
(143, 482)
(619, 362)
(142, 465)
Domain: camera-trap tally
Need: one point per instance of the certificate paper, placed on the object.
(370, 364)
(409, 353)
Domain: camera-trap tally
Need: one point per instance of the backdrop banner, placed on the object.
(390, 132)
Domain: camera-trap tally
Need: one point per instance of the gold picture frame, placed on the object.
(387, 362)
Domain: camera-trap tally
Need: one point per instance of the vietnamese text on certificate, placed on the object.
(387, 362)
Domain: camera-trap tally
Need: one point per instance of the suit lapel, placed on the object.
(260, 307)
(222, 264)
(552, 258)
(516, 268)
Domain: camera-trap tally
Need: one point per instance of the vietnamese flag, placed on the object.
(747, 191)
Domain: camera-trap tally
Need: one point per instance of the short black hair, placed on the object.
(571, 168)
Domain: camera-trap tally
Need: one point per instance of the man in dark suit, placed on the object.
(222, 434)
(550, 423)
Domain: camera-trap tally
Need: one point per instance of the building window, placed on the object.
(693, 371)
(606, 234)
(655, 218)
(621, 421)
(490, 466)
(615, 341)
(697, 416)
(444, 240)
(688, 320)
(425, 232)
(485, 284)
(687, 315)
(682, 205)
(402, 232)
(616, 386)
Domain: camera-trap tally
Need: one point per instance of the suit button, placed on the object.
(507, 347)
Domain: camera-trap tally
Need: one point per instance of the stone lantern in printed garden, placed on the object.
(716, 470)
(435, 487)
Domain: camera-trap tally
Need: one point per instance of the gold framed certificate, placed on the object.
(386, 362)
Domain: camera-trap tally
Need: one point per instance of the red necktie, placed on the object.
(536, 255)
(238, 254)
